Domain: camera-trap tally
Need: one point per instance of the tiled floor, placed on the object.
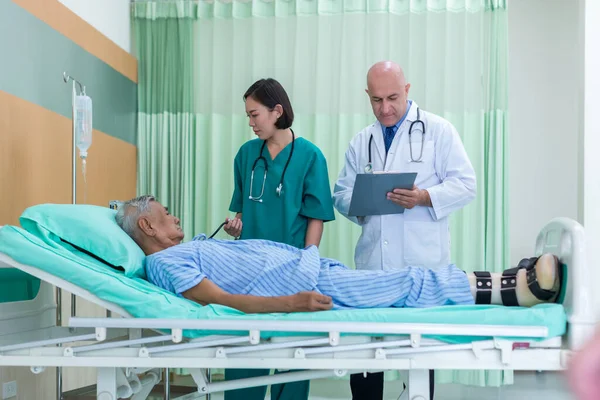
(529, 386)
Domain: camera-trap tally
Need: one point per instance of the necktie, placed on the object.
(389, 137)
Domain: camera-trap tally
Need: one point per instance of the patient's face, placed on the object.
(166, 226)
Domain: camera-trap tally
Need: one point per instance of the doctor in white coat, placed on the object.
(445, 179)
(445, 183)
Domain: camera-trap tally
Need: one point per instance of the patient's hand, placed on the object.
(309, 301)
(233, 227)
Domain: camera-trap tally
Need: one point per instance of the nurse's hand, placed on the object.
(409, 198)
(233, 227)
(309, 301)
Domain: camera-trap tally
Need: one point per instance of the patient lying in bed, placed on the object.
(256, 276)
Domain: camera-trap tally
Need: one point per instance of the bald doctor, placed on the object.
(432, 148)
(404, 138)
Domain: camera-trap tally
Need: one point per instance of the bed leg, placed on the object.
(418, 384)
(59, 394)
(208, 376)
(167, 385)
(106, 380)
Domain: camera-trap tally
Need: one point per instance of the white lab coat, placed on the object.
(420, 236)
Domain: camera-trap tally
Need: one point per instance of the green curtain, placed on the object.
(166, 120)
(196, 60)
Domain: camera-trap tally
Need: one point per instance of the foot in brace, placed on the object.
(535, 280)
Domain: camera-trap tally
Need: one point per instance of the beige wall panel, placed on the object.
(36, 161)
(30, 386)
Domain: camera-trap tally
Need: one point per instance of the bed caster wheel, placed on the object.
(105, 396)
(37, 370)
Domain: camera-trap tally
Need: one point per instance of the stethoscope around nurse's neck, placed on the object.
(369, 166)
(279, 189)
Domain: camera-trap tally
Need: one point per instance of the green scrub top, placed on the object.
(306, 192)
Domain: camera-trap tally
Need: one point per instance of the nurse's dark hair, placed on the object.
(269, 93)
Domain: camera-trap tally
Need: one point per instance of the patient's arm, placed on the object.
(206, 292)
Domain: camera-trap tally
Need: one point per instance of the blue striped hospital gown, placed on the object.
(265, 268)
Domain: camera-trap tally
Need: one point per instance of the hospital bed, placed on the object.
(155, 330)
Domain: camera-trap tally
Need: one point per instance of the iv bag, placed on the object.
(83, 124)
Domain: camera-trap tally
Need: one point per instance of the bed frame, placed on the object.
(130, 353)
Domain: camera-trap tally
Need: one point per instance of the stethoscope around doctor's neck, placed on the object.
(369, 166)
(279, 189)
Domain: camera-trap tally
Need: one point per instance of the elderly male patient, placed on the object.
(261, 276)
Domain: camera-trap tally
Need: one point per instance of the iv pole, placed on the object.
(68, 78)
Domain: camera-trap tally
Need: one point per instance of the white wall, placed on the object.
(591, 140)
(544, 117)
(110, 17)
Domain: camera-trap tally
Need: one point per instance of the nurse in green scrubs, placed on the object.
(281, 193)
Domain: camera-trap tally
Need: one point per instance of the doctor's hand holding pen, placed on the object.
(233, 227)
(409, 198)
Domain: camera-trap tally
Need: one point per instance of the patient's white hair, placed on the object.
(130, 211)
